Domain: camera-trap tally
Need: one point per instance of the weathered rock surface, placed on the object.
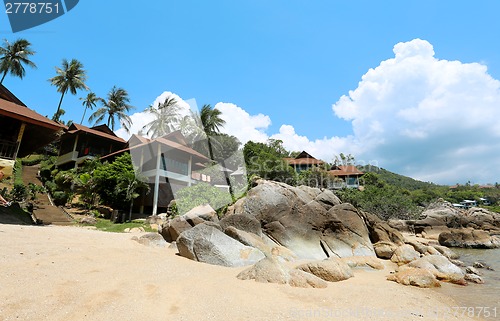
(243, 222)
(271, 270)
(253, 240)
(205, 243)
(474, 278)
(309, 222)
(151, 239)
(331, 270)
(449, 254)
(88, 220)
(416, 277)
(370, 262)
(171, 229)
(384, 250)
(469, 238)
(404, 254)
(440, 266)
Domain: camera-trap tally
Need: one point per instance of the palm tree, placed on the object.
(166, 120)
(211, 121)
(115, 107)
(70, 77)
(89, 102)
(14, 56)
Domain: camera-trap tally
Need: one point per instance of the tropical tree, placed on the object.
(14, 56)
(211, 122)
(114, 108)
(70, 77)
(166, 118)
(89, 102)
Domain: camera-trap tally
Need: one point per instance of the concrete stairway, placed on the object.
(44, 210)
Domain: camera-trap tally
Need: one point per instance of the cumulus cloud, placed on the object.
(432, 119)
(325, 148)
(242, 125)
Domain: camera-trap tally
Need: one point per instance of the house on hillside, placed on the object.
(22, 130)
(167, 164)
(303, 161)
(79, 143)
(348, 176)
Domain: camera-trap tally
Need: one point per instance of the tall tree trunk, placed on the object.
(83, 117)
(56, 116)
(210, 151)
(4, 74)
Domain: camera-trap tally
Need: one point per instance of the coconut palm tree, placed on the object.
(114, 107)
(89, 102)
(166, 119)
(211, 123)
(70, 77)
(14, 56)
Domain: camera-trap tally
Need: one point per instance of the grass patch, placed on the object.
(108, 226)
(493, 208)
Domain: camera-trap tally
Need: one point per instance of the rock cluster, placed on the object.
(277, 224)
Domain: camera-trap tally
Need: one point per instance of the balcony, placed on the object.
(66, 158)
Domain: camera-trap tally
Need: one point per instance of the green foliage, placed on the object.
(116, 182)
(190, 197)
(19, 192)
(315, 177)
(33, 191)
(32, 160)
(108, 226)
(396, 179)
(381, 199)
(60, 198)
(266, 161)
(18, 172)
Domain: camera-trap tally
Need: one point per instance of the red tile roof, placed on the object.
(74, 128)
(303, 159)
(347, 170)
(162, 140)
(22, 113)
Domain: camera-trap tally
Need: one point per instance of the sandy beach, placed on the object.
(71, 273)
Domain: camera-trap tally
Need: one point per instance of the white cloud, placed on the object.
(325, 148)
(432, 119)
(242, 125)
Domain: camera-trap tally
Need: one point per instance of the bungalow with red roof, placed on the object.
(167, 164)
(80, 143)
(303, 161)
(22, 130)
(348, 174)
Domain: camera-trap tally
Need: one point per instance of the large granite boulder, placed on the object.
(483, 219)
(469, 238)
(272, 270)
(440, 213)
(331, 270)
(404, 254)
(171, 229)
(264, 245)
(243, 222)
(307, 221)
(416, 277)
(440, 266)
(205, 243)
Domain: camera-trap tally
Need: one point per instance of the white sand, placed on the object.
(70, 273)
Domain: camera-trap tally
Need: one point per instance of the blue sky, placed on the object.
(288, 60)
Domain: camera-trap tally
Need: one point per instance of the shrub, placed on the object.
(60, 198)
(190, 197)
(19, 192)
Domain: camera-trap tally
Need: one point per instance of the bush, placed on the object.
(32, 160)
(60, 198)
(19, 192)
(190, 197)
